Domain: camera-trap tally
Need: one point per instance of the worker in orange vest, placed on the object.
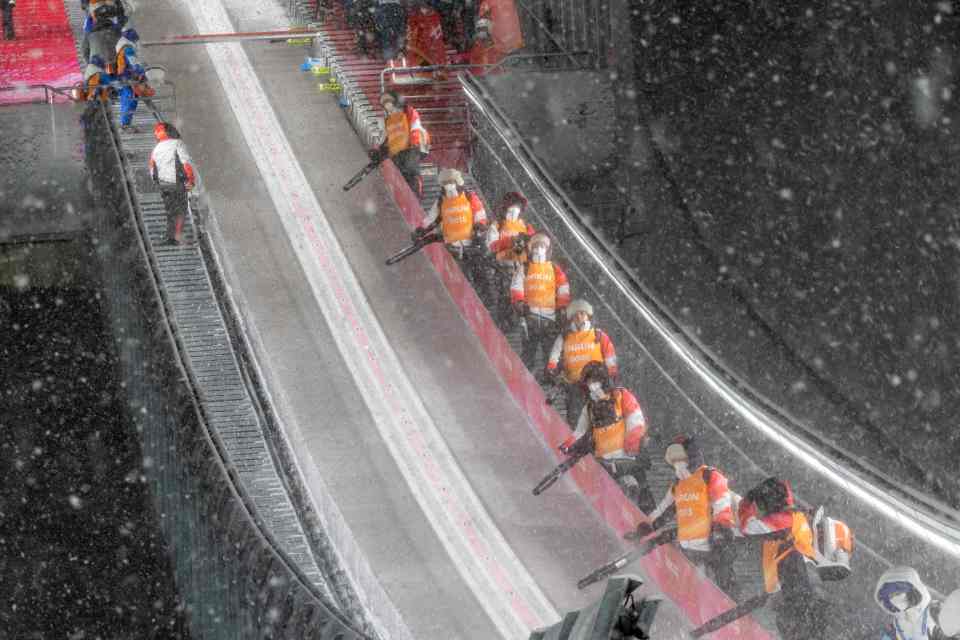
(98, 84)
(619, 433)
(539, 294)
(459, 219)
(406, 141)
(768, 514)
(506, 238)
(701, 503)
(506, 241)
(425, 43)
(577, 346)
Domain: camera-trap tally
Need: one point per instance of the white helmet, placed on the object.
(539, 240)
(577, 306)
(450, 175)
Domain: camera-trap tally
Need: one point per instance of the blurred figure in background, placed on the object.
(916, 615)
(458, 19)
(390, 19)
(6, 9)
(425, 43)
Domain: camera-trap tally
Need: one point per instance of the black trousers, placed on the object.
(718, 561)
(453, 15)
(7, 9)
(476, 266)
(631, 475)
(408, 164)
(576, 398)
(499, 305)
(391, 24)
(541, 333)
(176, 206)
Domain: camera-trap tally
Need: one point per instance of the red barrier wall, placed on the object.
(44, 51)
(673, 574)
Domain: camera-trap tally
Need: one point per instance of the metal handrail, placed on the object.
(550, 36)
(460, 67)
(169, 327)
(47, 91)
(939, 521)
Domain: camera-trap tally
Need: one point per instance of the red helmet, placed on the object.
(165, 131)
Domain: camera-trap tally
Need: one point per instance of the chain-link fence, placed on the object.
(232, 577)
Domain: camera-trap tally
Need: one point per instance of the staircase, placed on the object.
(440, 102)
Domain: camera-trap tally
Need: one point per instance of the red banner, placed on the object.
(44, 51)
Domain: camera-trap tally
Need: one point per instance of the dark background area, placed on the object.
(814, 147)
(80, 548)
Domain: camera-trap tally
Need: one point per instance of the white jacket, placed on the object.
(164, 158)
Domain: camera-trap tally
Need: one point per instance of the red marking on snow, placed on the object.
(697, 597)
(44, 51)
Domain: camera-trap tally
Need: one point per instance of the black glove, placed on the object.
(642, 531)
(479, 231)
(375, 154)
(521, 308)
(417, 234)
(520, 243)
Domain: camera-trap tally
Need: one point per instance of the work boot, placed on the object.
(130, 128)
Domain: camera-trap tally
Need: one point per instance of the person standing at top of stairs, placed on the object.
(406, 141)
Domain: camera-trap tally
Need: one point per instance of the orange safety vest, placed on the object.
(511, 229)
(398, 133)
(120, 64)
(456, 218)
(95, 90)
(692, 499)
(800, 540)
(580, 348)
(609, 438)
(540, 285)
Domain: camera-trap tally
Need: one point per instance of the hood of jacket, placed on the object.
(898, 579)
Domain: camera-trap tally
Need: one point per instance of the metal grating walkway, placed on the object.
(202, 333)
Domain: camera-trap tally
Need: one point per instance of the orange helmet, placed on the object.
(165, 131)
